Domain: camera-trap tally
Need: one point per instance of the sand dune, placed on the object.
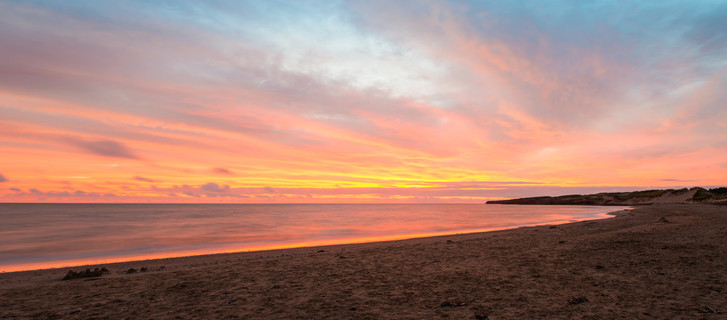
(663, 261)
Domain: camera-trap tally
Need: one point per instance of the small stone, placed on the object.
(708, 309)
(578, 300)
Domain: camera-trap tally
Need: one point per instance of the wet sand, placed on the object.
(655, 262)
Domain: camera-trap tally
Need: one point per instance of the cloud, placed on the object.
(74, 194)
(269, 189)
(213, 187)
(191, 194)
(16, 189)
(221, 171)
(139, 178)
(2, 178)
(677, 180)
(107, 148)
(207, 190)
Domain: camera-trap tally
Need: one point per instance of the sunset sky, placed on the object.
(358, 101)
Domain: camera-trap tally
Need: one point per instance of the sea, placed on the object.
(39, 236)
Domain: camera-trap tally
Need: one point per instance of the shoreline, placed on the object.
(82, 263)
(657, 261)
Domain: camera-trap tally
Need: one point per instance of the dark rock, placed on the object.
(130, 271)
(277, 286)
(70, 275)
(453, 304)
(143, 269)
(662, 219)
(708, 309)
(578, 300)
(319, 251)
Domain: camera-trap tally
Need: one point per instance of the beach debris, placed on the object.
(319, 251)
(131, 270)
(277, 286)
(578, 300)
(662, 219)
(76, 311)
(450, 241)
(454, 303)
(85, 274)
(600, 266)
(561, 242)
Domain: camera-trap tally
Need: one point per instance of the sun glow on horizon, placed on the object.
(372, 101)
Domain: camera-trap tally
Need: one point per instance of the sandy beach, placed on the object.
(663, 261)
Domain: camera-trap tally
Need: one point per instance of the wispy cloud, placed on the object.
(221, 171)
(107, 148)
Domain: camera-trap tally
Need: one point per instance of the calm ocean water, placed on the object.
(34, 236)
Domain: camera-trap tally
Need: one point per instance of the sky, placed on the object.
(358, 101)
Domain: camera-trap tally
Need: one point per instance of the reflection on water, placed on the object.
(51, 235)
